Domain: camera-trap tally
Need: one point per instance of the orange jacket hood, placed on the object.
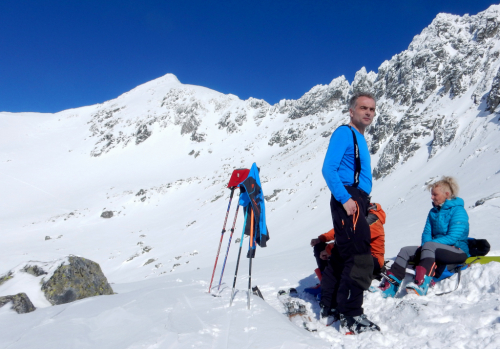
(377, 210)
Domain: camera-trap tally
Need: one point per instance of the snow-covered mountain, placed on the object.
(159, 157)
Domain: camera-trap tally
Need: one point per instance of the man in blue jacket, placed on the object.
(347, 172)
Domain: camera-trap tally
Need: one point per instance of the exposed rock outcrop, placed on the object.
(107, 214)
(77, 279)
(5, 277)
(20, 303)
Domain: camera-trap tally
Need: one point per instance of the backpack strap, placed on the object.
(357, 159)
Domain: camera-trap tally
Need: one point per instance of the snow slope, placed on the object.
(159, 157)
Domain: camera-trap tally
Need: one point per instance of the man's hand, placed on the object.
(314, 242)
(323, 255)
(350, 207)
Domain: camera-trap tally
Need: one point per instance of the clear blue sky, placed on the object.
(56, 55)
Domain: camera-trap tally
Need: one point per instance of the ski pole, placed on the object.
(238, 262)
(221, 237)
(228, 245)
(251, 256)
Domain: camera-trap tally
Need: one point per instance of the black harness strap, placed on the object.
(357, 159)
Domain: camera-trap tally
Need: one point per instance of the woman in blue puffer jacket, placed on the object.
(444, 241)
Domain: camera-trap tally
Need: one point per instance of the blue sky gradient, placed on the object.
(56, 55)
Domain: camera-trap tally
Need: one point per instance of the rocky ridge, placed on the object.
(454, 58)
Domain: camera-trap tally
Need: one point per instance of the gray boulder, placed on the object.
(20, 303)
(107, 214)
(81, 278)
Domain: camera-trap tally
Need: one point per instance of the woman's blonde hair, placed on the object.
(448, 184)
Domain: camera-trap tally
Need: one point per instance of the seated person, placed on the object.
(444, 241)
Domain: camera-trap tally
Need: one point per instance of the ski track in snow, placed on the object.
(159, 157)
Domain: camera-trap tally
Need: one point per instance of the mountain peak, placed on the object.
(169, 78)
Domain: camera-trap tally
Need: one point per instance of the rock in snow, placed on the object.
(62, 281)
(20, 303)
(107, 214)
(79, 278)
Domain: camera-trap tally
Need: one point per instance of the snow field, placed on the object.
(168, 198)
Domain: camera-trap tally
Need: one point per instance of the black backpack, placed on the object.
(478, 247)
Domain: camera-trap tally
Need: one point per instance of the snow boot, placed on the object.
(357, 324)
(328, 316)
(315, 290)
(419, 290)
(389, 286)
(419, 274)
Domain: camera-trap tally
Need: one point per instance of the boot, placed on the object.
(419, 290)
(315, 290)
(420, 273)
(389, 286)
(328, 316)
(357, 324)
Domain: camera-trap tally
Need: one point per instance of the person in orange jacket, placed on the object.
(376, 220)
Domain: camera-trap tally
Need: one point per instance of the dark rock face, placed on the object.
(198, 137)
(34, 270)
(102, 126)
(5, 277)
(380, 130)
(142, 134)
(20, 303)
(141, 192)
(227, 123)
(444, 134)
(81, 278)
(190, 125)
(285, 136)
(494, 95)
(107, 214)
(320, 99)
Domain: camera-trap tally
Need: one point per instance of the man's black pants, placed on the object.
(350, 267)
